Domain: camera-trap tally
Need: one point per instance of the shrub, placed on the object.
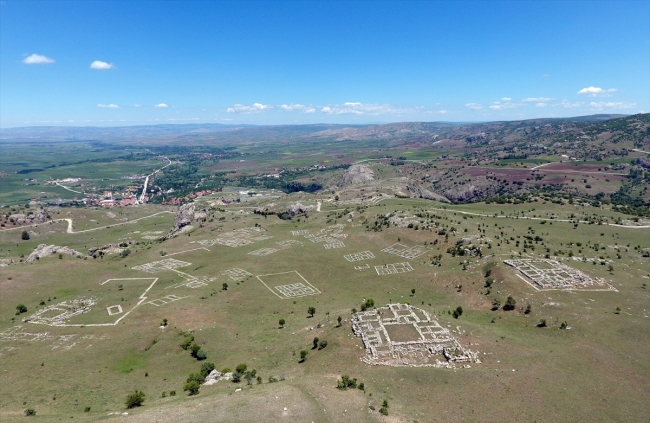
(125, 253)
(25, 237)
(20, 308)
(322, 345)
(458, 312)
(187, 342)
(135, 399)
(30, 412)
(241, 368)
(172, 393)
(510, 303)
(346, 383)
(194, 350)
(201, 355)
(303, 355)
(87, 409)
(206, 368)
(542, 323)
(192, 387)
(281, 322)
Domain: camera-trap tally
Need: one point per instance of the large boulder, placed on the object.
(357, 174)
(44, 250)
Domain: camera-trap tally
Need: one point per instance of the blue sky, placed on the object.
(106, 63)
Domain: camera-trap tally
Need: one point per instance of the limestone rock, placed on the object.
(44, 250)
(39, 216)
(418, 192)
(186, 214)
(298, 208)
(357, 174)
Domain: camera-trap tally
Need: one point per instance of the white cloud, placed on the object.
(137, 105)
(569, 105)
(597, 91)
(536, 99)
(255, 108)
(541, 104)
(356, 108)
(108, 106)
(291, 107)
(546, 75)
(99, 65)
(37, 59)
(497, 105)
(506, 99)
(474, 106)
(610, 105)
(161, 106)
(443, 112)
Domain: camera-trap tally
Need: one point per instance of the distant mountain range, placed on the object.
(337, 131)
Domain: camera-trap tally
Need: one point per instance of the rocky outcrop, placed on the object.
(643, 162)
(110, 248)
(418, 192)
(44, 250)
(357, 174)
(6, 262)
(298, 208)
(186, 215)
(464, 193)
(39, 216)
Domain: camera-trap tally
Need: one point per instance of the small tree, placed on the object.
(30, 412)
(311, 311)
(618, 310)
(458, 312)
(241, 368)
(413, 292)
(281, 322)
(338, 319)
(510, 303)
(542, 323)
(224, 286)
(384, 408)
(20, 308)
(192, 387)
(563, 325)
(496, 304)
(194, 350)
(25, 237)
(529, 308)
(303, 355)
(315, 343)
(125, 252)
(322, 345)
(135, 399)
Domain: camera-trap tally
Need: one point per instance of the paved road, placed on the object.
(146, 181)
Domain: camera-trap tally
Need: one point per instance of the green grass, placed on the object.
(100, 365)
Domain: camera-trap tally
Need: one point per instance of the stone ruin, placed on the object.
(551, 274)
(403, 335)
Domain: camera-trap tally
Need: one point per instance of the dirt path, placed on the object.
(64, 187)
(539, 218)
(69, 230)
